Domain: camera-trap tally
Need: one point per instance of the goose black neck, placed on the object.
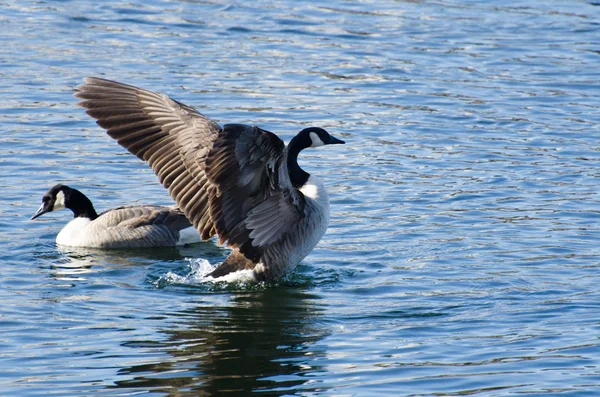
(298, 176)
(81, 206)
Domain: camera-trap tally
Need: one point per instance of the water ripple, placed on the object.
(462, 253)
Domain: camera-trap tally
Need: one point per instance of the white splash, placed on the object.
(200, 268)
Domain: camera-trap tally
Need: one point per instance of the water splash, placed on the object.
(198, 270)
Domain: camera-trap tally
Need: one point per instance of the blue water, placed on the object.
(463, 253)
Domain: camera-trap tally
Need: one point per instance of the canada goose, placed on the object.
(122, 227)
(239, 182)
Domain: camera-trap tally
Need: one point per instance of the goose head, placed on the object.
(62, 196)
(315, 136)
(308, 137)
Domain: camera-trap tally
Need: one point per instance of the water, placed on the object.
(462, 256)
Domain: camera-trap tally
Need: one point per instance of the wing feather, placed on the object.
(157, 130)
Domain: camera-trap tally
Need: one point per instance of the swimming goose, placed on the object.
(122, 227)
(238, 182)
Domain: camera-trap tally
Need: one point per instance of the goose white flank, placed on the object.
(122, 227)
(238, 182)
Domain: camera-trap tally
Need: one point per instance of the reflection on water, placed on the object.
(227, 341)
(72, 263)
(260, 341)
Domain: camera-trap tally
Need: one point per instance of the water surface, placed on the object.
(462, 256)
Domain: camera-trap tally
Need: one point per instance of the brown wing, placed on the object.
(231, 181)
(173, 138)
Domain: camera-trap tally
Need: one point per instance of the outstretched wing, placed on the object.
(231, 181)
(173, 138)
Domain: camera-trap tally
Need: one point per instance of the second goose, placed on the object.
(122, 227)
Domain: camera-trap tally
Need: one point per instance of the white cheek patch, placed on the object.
(59, 201)
(316, 141)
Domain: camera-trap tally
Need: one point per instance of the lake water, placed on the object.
(463, 253)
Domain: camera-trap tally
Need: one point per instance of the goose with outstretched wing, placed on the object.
(238, 182)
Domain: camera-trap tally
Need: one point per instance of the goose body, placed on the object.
(238, 182)
(122, 227)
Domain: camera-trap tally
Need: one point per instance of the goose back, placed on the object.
(126, 227)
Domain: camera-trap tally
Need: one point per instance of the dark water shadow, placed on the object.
(261, 341)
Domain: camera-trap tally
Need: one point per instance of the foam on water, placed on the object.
(198, 274)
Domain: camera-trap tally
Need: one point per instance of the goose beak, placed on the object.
(41, 211)
(334, 140)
